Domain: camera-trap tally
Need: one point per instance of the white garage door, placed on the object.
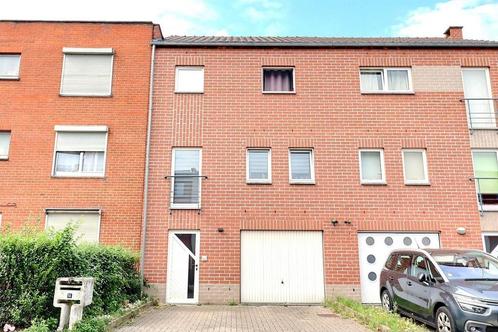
(281, 267)
(374, 248)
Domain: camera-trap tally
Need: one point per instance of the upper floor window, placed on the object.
(278, 80)
(415, 166)
(372, 166)
(9, 66)
(301, 166)
(258, 168)
(80, 151)
(189, 79)
(87, 72)
(186, 178)
(486, 177)
(4, 144)
(389, 80)
(85, 222)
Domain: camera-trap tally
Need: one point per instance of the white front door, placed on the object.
(374, 248)
(282, 267)
(477, 90)
(183, 267)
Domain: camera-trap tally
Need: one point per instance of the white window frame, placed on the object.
(258, 181)
(179, 68)
(6, 157)
(385, 81)
(278, 68)
(87, 51)
(483, 238)
(312, 166)
(75, 211)
(382, 166)
(16, 77)
(79, 129)
(484, 207)
(182, 206)
(425, 181)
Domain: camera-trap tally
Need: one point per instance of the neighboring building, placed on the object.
(73, 123)
(285, 169)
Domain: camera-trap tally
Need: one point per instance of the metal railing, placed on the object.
(481, 113)
(185, 190)
(488, 201)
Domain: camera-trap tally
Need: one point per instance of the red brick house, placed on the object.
(285, 169)
(73, 120)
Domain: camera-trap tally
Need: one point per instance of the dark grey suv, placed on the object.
(451, 290)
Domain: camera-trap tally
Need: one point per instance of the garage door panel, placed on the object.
(281, 267)
(374, 248)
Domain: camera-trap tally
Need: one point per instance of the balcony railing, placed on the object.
(487, 193)
(481, 113)
(185, 191)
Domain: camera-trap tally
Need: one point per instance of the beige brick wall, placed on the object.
(219, 293)
(484, 139)
(437, 79)
(489, 222)
(157, 291)
(351, 291)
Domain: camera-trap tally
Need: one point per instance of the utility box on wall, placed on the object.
(72, 295)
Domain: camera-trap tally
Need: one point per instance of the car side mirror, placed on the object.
(422, 277)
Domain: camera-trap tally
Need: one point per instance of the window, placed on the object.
(434, 272)
(385, 80)
(415, 166)
(80, 151)
(4, 144)
(301, 166)
(372, 166)
(486, 177)
(391, 262)
(86, 223)
(87, 72)
(258, 166)
(278, 80)
(403, 263)
(189, 79)
(419, 265)
(9, 66)
(186, 179)
(491, 243)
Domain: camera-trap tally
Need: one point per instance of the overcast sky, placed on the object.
(277, 17)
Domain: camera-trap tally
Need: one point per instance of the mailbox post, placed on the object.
(72, 295)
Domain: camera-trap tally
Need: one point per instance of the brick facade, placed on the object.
(329, 114)
(31, 106)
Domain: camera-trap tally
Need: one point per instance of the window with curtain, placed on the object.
(86, 223)
(189, 79)
(278, 79)
(301, 166)
(4, 144)
(486, 174)
(9, 66)
(259, 166)
(186, 178)
(80, 153)
(372, 166)
(87, 74)
(415, 166)
(385, 80)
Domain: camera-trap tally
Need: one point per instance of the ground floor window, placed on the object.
(86, 223)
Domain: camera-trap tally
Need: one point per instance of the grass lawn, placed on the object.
(372, 316)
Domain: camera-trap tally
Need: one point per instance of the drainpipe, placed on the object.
(146, 175)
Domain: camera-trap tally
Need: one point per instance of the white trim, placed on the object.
(181, 206)
(312, 166)
(260, 181)
(16, 77)
(106, 94)
(485, 208)
(490, 95)
(87, 50)
(200, 68)
(382, 166)
(80, 174)
(277, 68)
(385, 83)
(81, 128)
(75, 211)
(197, 255)
(9, 133)
(483, 235)
(425, 181)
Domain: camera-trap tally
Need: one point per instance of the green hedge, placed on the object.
(31, 262)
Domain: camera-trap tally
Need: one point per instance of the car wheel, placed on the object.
(444, 321)
(387, 302)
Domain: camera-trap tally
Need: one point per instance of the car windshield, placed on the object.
(467, 265)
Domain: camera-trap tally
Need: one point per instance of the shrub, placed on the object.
(30, 263)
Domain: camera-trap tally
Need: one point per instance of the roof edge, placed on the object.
(77, 21)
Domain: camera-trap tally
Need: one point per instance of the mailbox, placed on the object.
(72, 295)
